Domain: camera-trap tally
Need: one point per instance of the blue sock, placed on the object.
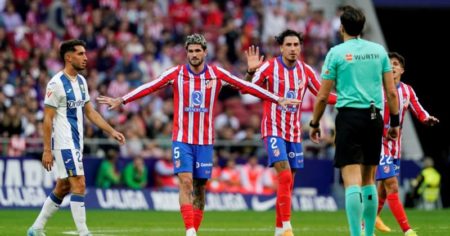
(370, 206)
(354, 208)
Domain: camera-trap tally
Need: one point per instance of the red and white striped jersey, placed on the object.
(195, 96)
(407, 100)
(277, 78)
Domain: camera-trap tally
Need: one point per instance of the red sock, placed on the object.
(284, 194)
(397, 210)
(381, 202)
(278, 222)
(198, 216)
(187, 212)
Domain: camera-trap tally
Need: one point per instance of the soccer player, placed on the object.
(389, 166)
(359, 69)
(288, 76)
(66, 103)
(196, 87)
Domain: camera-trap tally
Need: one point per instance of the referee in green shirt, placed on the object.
(359, 70)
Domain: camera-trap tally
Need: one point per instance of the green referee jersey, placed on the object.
(357, 67)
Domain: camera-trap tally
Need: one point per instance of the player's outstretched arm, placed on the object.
(98, 120)
(112, 103)
(431, 121)
(284, 102)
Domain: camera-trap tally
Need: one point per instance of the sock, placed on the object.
(187, 212)
(79, 213)
(198, 216)
(370, 206)
(191, 232)
(353, 209)
(397, 210)
(278, 222)
(278, 231)
(284, 194)
(287, 225)
(51, 205)
(381, 202)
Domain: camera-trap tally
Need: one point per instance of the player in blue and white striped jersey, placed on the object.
(66, 105)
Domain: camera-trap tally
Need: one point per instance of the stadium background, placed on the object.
(424, 47)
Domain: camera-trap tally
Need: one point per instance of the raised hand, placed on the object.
(431, 121)
(254, 61)
(112, 103)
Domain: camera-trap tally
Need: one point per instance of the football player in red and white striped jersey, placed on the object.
(196, 87)
(288, 76)
(389, 167)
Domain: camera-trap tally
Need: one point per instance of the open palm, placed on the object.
(254, 61)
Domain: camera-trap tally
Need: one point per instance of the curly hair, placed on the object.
(195, 39)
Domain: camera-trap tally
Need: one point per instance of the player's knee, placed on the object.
(391, 186)
(186, 182)
(78, 187)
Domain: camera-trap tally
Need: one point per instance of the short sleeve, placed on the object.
(386, 62)
(52, 94)
(329, 67)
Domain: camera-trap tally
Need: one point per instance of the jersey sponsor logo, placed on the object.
(201, 164)
(348, 57)
(196, 109)
(367, 56)
(197, 98)
(74, 104)
(287, 109)
(290, 94)
(258, 205)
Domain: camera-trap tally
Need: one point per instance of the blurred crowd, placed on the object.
(130, 43)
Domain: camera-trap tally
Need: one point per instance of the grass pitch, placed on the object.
(115, 223)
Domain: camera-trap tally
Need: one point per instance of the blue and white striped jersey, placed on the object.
(68, 98)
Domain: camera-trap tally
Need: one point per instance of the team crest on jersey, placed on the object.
(386, 169)
(210, 83)
(177, 163)
(276, 152)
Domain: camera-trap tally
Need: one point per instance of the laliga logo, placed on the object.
(291, 154)
(197, 165)
(197, 98)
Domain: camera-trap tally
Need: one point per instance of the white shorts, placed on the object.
(69, 162)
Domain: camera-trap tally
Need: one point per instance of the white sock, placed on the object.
(278, 231)
(79, 213)
(191, 232)
(287, 225)
(51, 205)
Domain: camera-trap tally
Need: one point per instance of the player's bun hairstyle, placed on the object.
(69, 46)
(195, 39)
(352, 20)
(399, 57)
(288, 32)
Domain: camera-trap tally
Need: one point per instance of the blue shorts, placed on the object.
(387, 168)
(279, 149)
(196, 159)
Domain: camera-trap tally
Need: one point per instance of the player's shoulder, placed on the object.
(55, 81)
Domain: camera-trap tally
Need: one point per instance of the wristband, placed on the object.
(315, 126)
(394, 120)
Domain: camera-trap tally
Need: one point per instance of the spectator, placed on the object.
(252, 176)
(231, 177)
(107, 175)
(164, 173)
(135, 174)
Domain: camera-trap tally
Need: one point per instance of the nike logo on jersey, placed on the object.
(263, 205)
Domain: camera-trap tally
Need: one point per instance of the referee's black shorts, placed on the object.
(358, 137)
